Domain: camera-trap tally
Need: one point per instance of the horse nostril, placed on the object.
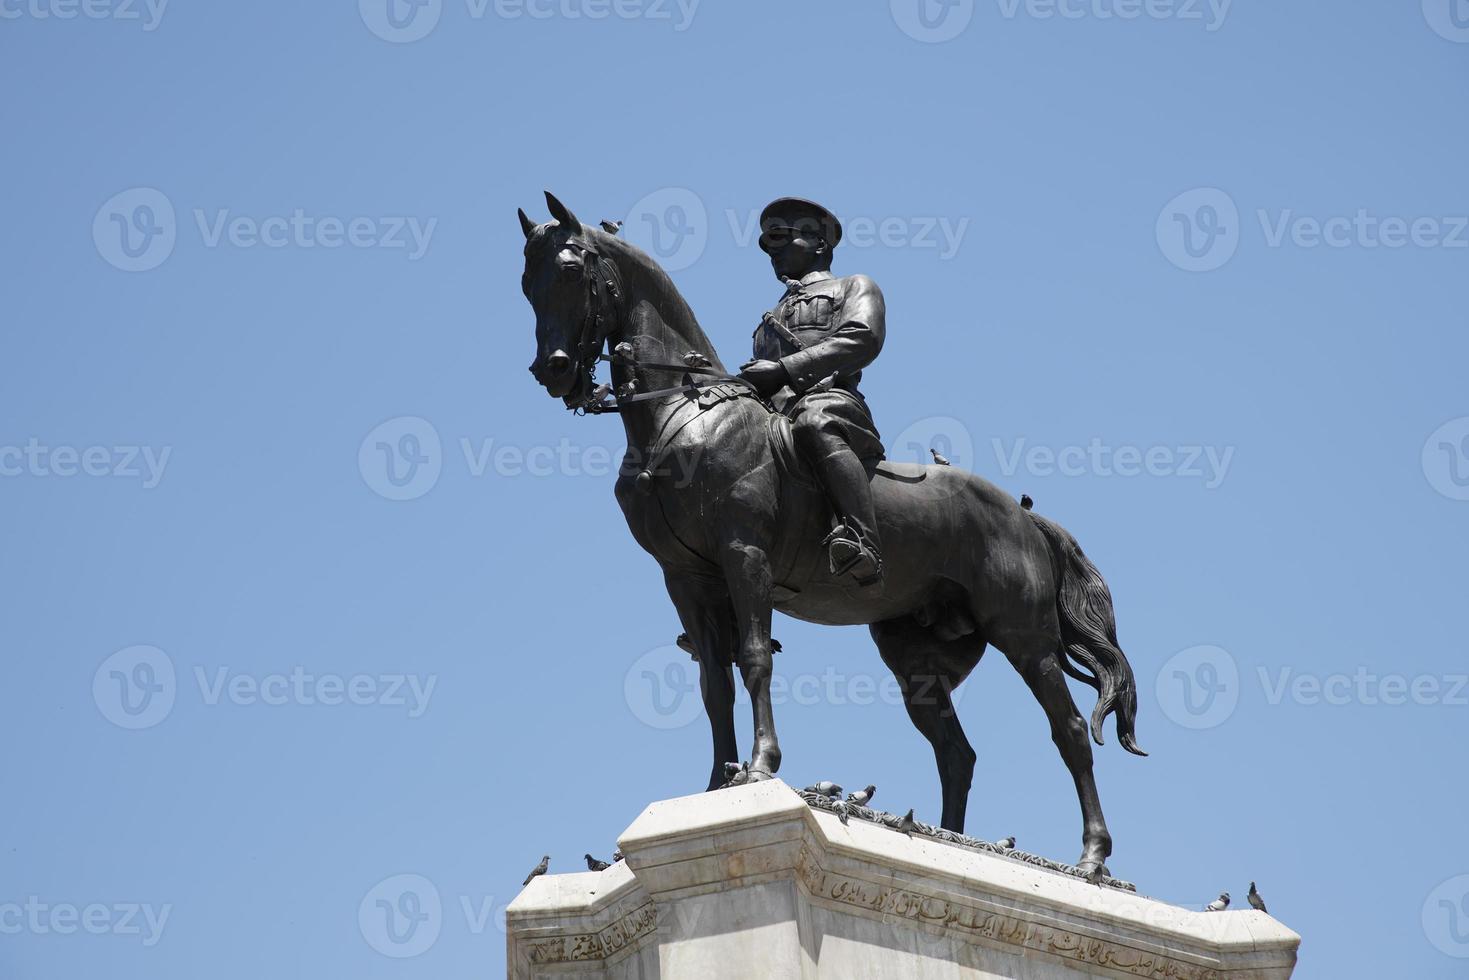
(558, 362)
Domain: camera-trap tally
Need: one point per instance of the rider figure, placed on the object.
(809, 354)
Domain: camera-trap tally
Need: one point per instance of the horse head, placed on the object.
(573, 289)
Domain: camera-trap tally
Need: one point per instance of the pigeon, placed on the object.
(939, 457)
(906, 824)
(694, 359)
(840, 809)
(1256, 902)
(1025, 502)
(540, 869)
(862, 796)
(616, 856)
(825, 384)
(1219, 904)
(825, 788)
(733, 769)
(1007, 843)
(611, 227)
(594, 865)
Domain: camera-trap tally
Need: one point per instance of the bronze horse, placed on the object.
(710, 489)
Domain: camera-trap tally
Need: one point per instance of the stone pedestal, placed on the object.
(752, 882)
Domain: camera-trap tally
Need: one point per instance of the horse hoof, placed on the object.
(1093, 871)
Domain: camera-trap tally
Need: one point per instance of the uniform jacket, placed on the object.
(840, 322)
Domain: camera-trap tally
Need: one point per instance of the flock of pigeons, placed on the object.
(906, 824)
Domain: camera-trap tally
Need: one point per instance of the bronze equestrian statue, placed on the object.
(716, 487)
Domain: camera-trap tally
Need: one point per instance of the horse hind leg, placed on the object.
(928, 668)
(1036, 655)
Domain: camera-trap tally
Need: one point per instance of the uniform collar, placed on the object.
(820, 275)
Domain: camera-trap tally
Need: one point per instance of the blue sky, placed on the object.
(1191, 275)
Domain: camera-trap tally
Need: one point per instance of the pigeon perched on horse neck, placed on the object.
(1256, 902)
(938, 457)
(594, 865)
(539, 870)
(1219, 904)
(862, 796)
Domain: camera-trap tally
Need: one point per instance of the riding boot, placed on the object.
(852, 546)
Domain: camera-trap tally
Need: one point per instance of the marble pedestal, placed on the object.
(751, 882)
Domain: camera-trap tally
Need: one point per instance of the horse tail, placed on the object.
(1089, 635)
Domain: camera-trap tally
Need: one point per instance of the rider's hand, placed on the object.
(768, 377)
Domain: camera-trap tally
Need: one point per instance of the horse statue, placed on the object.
(712, 490)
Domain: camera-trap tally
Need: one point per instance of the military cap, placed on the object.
(798, 214)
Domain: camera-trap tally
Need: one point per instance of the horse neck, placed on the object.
(661, 327)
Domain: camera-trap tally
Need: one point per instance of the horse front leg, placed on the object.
(747, 573)
(708, 619)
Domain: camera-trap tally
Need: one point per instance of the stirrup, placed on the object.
(849, 554)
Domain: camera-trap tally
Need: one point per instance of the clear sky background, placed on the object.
(1104, 287)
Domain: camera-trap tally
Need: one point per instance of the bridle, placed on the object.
(604, 312)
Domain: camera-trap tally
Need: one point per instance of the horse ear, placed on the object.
(562, 214)
(526, 225)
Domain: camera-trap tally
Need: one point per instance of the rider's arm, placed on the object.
(851, 347)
